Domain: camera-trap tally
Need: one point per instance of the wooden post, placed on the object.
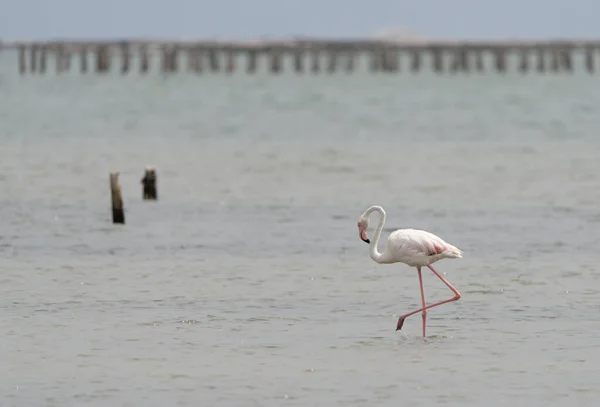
(118, 213)
(149, 184)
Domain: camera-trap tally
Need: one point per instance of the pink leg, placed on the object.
(450, 286)
(424, 313)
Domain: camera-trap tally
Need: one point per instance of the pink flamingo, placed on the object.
(416, 248)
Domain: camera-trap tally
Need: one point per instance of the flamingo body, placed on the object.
(418, 248)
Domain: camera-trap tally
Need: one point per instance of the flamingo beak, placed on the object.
(362, 233)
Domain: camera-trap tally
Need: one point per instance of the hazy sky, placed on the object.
(42, 19)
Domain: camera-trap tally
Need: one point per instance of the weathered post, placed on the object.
(118, 213)
(149, 184)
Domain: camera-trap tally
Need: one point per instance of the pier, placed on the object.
(305, 56)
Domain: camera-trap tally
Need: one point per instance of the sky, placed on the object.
(253, 19)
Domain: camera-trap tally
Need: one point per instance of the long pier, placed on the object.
(313, 55)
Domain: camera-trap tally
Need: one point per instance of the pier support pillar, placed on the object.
(523, 60)
(500, 55)
(60, 59)
(252, 62)
(102, 59)
(315, 59)
(299, 61)
(275, 61)
(554, 60)
(389, 60)
(349, 61)
(22, 60)
(376, 60)
(566, 59)
(213, 60)
(83, 60)
(332, 61)
(590, 56)
(43, 58)
(541, 60)
(144, 59)
(438, 60)
(194, 60)
(33, 58)
(460, 60)
(479, 64)
(416, 61)
(230, 63)
(170, 58)
(125, 58)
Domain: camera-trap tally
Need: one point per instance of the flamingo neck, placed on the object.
(373, 252)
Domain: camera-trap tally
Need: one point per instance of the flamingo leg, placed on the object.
(450, 286)
(424, 313)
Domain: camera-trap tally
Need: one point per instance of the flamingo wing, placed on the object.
(412, 242)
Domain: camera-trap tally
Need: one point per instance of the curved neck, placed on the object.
(375, 255)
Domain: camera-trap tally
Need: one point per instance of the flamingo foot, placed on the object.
(400, 323)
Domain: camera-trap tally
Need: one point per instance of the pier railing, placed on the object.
(552, 56)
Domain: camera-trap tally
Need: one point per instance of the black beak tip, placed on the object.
(367, 241)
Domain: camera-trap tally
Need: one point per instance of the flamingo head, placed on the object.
(363, 224)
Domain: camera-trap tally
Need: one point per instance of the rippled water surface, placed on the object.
(246, 284)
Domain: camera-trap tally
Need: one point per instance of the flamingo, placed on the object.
(415, 248)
